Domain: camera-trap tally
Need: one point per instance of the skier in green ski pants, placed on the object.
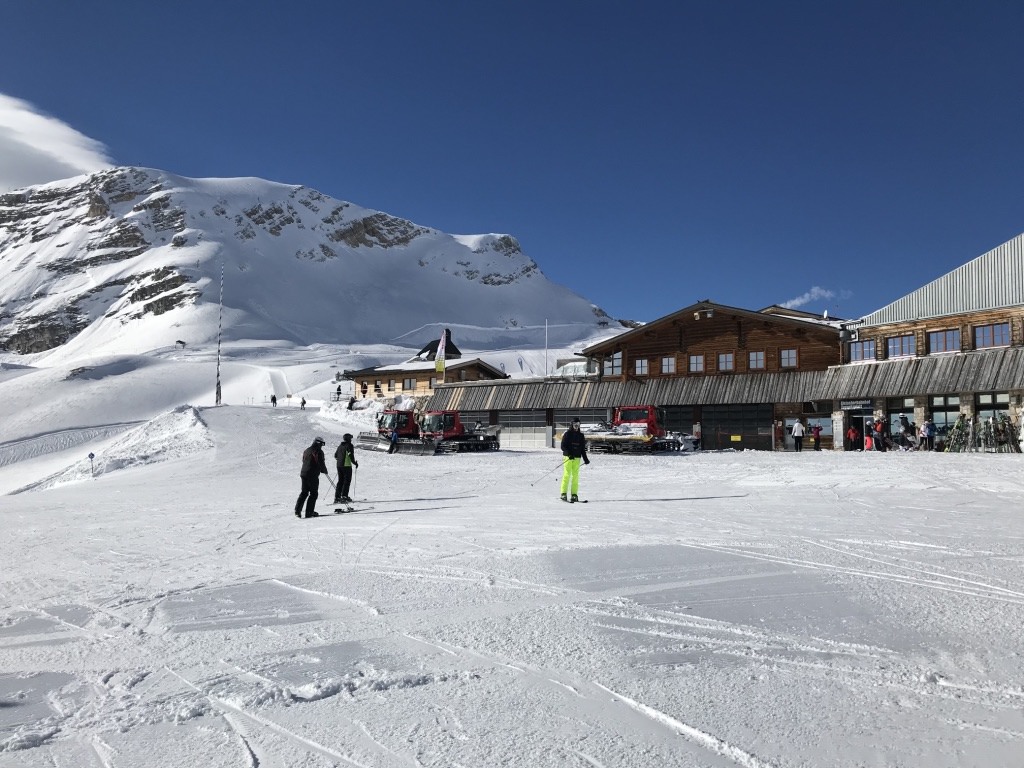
(574, 450)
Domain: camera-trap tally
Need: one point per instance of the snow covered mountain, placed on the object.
(130, 259)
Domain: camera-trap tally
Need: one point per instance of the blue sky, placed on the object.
(646, 154)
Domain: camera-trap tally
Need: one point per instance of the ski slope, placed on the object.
(719, 609)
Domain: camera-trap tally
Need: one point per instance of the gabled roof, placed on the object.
(419, 366)
(429, 352)
(994, 280)
(690, 314)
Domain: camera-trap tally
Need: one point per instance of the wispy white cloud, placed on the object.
(36, 148)
(815, 294)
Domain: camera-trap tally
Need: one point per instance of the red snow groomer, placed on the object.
(438, 432)
(635, 428)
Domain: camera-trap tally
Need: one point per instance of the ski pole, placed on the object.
(353, 489)
(559, 464)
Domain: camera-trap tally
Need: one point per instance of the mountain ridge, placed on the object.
(134, 256)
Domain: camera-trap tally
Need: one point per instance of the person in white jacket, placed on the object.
(798, 434)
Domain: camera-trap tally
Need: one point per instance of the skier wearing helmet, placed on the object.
(345, 456)
(574, 449)
(313, 465)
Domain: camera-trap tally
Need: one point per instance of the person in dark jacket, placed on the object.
(574, 449)
(345, 456)
(313, 465)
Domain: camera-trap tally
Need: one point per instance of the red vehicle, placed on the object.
(451, 435)
(635, 428)
(438, 432)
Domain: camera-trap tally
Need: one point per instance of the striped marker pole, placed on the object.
(220, 325)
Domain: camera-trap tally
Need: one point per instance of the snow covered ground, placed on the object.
(719, 609)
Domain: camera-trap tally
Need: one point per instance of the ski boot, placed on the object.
(574, 499)
(563, 497)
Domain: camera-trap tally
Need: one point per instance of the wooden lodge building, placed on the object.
(727, 373)
(741, 378)
(418, 376)
(955, 345)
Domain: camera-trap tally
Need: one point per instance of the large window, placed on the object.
(945, 409)
(726, 361)
(408, 385)
(901, 346)
(696, 363)
(862, 350)
(668, 365)
(613, 365)
(996, 335)
(944, 341)
(787, 358)
(640, 366)
(755, 361)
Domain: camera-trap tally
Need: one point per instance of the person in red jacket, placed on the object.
(816, 436)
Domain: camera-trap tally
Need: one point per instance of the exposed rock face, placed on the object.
(127, 244)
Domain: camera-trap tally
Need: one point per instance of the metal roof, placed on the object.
(514, 395)
(994, 280)
(992, 370)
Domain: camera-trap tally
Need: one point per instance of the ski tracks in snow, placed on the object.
(588, 702)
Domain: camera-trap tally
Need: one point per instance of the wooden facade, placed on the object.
(418, 378)
(708, 339)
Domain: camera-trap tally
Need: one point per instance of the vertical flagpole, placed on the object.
(220, 325)
(545, 347)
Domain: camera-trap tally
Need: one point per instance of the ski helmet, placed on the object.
(346, 437)
(318, 440)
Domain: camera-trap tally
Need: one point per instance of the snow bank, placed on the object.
(172, 435)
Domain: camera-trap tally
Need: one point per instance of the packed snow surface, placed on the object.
(718, 609)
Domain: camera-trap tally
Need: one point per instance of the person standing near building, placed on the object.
(313, 465)
(816, 436)
(798, 435)
(927, 436)
(273, 400)
(852, 438)
(574, 450)
(878, 439)
(345, 456)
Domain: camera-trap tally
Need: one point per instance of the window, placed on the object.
(391, 385)
(613, 365)
(755, 361)
(862, 350)
(996, 335)
(787, 358)
(901, 346)
(376, 387)
(640, 366)
(668, 365)
(944, 411)
(725, 361)
(696, 363)
(408, 384)
(944, 341)
(433, 382)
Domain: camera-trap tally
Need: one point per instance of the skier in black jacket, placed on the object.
(345, 456)
(574, 449)
(313, 465)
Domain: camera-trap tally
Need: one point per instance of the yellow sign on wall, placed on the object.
(736, 438)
